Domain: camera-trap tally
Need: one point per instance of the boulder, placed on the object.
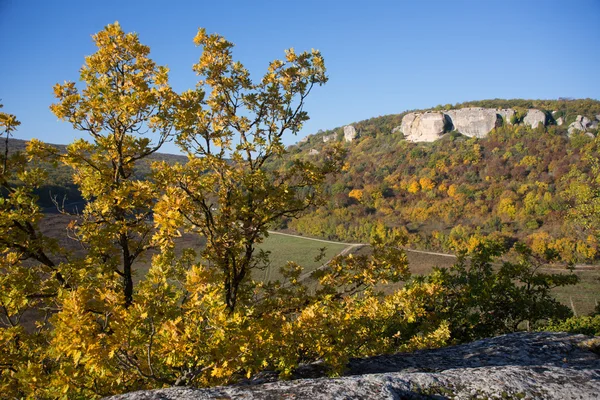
(585, 121)
(534, 117)
(560, 121)
(475, 121)
(598, 117)
(506, 115)
(313, 152)
(539, 365)
(349, 133)
(582, 124)
(426, 127)
(328, 138)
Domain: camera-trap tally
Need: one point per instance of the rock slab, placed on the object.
(349, 133)
(534, 118)
(427, 127)
(474, 121)
(582, 124)
(506, 115)
(521, 365)
(328, 138)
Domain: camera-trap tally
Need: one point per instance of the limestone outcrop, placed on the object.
(474, 121)
(506, 114)
(328, 138)
(582, 124)
(560, 121)
(426, 127)
(349, 133)
(521, 365)
(534, 117)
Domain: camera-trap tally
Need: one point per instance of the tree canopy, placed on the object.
(76, 324)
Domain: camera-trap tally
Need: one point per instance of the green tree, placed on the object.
(480, 300)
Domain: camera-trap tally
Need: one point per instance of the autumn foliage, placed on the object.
(78, 325)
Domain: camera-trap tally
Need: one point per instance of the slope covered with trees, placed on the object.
(518, 183)
(77, 325)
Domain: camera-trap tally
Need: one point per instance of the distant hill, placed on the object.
(568, 109)
(517, 183)
(60, 183)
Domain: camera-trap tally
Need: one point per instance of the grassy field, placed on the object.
(582, 298)
(281, 248)
(299, 250)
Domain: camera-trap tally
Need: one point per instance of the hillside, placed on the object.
(59, 182)
(568, 109)
(516, 183)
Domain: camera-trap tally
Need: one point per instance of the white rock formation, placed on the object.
(475, 121)
(427, 127)
(506, 114)
(313, 152)
(560, 121)
(582, 124)
(328, 138)
(349, 133)
(534, 117)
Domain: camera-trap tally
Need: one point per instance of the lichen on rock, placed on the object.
(521, 365)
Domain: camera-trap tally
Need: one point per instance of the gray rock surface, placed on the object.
(427, 127)
(581, 124)
(313, 152)
(475, 121)
(328, 138)
(520, 365)
(506, 114)
(349, 133)
(560, 121)
(534, 117)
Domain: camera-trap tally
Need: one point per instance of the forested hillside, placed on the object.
(555, 109)
(518, 183)
(58, 184)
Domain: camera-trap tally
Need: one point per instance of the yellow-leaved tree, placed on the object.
(199, 316)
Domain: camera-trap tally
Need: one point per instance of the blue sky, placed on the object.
(383, 57)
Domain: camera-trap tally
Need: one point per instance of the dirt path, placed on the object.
(355, 245)
(352, 246)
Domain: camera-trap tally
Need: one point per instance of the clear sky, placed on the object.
(383, 57)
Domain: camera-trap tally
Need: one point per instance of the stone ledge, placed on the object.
(521, 365)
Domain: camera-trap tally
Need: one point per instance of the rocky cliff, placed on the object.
(350, 133)
(472, 121)
(516, 366)
(426, 127)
